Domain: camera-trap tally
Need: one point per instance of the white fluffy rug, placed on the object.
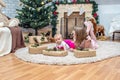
(106, 50)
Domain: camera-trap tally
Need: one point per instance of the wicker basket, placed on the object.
(31, 39)
(37, 50)
(55, 53)
(82, 54)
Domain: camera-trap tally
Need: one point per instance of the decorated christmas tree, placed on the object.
(34, 14)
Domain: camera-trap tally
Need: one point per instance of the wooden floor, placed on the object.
(12, 68)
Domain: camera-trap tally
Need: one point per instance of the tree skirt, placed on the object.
(106, 50)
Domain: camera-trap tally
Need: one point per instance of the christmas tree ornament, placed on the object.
(57, 2)
(95, 15)
(74, 1)
(48, 17)
(42, 3)
(87, 1)
(55, 13)
(38, 9)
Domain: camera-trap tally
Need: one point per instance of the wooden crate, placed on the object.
(82, 54)
(37, 50)
(55, 53)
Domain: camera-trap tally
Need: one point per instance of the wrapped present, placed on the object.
(37, 49)
(55, 53)
(84, 53)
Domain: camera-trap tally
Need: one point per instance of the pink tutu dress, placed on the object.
(70, 43)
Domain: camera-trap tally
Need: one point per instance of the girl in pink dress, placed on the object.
(84, 36)
(90, 33)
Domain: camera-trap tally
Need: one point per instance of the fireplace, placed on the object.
(69, 22)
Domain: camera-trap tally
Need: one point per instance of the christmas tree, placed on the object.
(35, 14)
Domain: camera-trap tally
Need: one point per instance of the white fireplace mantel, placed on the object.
(62, 8)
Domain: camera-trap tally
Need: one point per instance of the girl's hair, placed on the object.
(80, 35)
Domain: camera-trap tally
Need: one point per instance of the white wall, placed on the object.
(106, 14)
(107, 1)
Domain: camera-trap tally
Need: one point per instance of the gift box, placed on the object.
(37, 49)
(55, 53)
(84, 53)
